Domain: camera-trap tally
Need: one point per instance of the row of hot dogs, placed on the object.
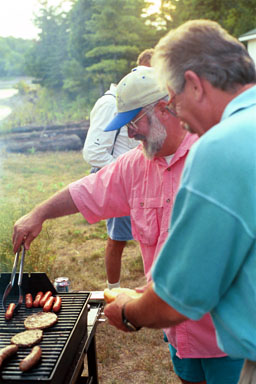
(45, 300)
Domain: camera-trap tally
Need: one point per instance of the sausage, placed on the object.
(7, 352)
(28, 300)
(10, 310)
(31, 359)
(48, 305)
(57, 304)
(45, 298)
(38, 297)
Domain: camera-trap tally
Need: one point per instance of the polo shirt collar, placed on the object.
(245, 100)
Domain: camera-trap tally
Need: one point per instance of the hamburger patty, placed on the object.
(27, 338)
(40, 320)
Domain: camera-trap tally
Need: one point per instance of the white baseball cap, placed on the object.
(136, 90)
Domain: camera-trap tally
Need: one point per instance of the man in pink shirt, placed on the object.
(142, 183)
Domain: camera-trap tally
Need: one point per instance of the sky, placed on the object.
(16, 17)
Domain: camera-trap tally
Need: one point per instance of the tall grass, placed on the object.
(25, 181)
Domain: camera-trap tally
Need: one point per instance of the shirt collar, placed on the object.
(245, 100)
(184, 147)
(182, 150)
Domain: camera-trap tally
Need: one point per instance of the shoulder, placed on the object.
(132, 158)
(104, 103)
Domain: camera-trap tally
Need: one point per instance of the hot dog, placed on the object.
(28, 300)
(7, 352)
(48, 305)
(57, 304)
(45, 298)
(38, 297)
(10, 310)
(31, 359)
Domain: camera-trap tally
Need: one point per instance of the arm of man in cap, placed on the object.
(28, 227)
(148, 311)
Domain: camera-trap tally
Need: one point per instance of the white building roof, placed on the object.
(248, 35)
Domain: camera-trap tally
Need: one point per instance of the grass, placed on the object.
(69, 246)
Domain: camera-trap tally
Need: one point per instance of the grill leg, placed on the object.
(92, 361)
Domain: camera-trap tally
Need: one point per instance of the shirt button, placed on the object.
(169, 168)
(141, 204)
(168, 201)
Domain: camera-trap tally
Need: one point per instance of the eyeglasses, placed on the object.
(171, 105)
(132, 124)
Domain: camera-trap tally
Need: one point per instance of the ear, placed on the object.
(194, 85)
(161, 111)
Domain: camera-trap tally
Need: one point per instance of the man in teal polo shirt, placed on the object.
(208, 263)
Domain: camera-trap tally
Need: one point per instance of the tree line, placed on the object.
(97, 42)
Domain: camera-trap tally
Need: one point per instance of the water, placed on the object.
(4, 95)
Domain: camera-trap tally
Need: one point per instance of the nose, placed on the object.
(131, 133)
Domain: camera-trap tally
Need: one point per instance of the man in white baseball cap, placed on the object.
(142, 184)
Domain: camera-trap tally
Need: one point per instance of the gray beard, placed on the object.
(155, 139)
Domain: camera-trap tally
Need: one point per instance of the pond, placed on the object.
(6, 94)
(7, 91)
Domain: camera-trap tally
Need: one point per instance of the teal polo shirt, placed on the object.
(208, 263)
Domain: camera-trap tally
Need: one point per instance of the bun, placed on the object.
(111, 294)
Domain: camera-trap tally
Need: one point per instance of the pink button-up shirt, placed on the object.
(145, 190)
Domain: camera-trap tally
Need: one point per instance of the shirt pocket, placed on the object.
(145, 220)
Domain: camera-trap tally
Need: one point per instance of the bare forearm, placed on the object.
(60, 204)
(148, 311)
(152, 312)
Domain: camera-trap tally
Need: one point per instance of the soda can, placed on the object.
(62, 284)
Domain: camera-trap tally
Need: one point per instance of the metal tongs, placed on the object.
(13, 275)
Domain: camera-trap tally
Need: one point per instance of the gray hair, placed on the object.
(207, 49)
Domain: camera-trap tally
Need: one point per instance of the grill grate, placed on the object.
(59, 342)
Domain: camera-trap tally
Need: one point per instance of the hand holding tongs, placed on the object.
(11, 283)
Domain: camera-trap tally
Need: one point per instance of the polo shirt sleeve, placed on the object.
(101, 195)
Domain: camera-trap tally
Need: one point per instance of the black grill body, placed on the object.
(60, 342)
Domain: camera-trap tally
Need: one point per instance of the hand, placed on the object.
(26, 229)
(113, 311)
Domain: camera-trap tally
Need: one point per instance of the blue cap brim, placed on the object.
(121, 119)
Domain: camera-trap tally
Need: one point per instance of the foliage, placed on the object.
(45, 60)
(237, 17)
(80, 52)
(45, 106)
(105, 40)
(12, 58)
(162, 19)
(118, 33)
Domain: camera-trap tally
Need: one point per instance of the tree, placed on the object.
(76, 79)
(118, 33)
(162, 19)
(237, 17)
(12, 59)
(46, 60)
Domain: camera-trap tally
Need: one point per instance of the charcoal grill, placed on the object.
(64, 345)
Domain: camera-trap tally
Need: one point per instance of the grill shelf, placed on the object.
(60, 342)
